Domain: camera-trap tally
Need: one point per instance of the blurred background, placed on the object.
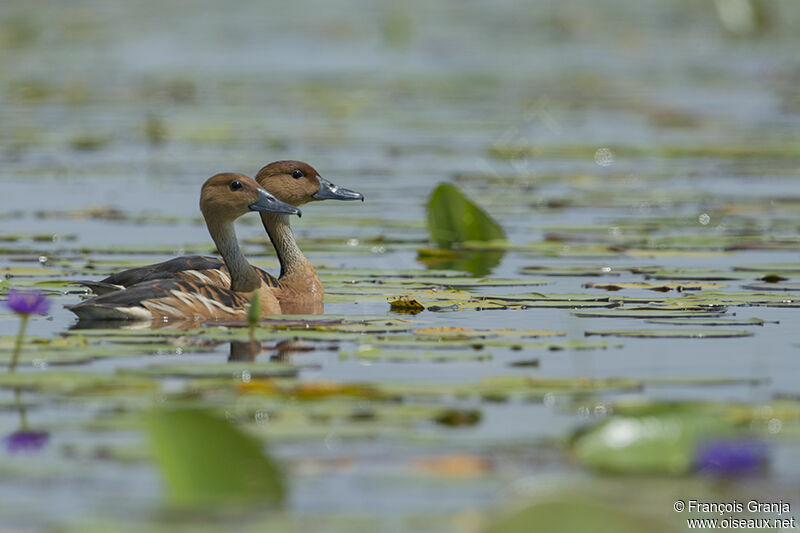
(564, 119)
(373, 94)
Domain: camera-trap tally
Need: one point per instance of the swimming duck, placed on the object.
(223, 198)
(297, 288)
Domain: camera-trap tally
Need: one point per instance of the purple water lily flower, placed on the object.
(27, 303)
(727, 457)
(26, 441)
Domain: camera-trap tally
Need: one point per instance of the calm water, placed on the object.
(131, 106)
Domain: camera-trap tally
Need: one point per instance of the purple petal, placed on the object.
(730, 457)
(26, 441)
(27, 303)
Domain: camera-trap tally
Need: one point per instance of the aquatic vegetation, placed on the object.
(26, 441)
(208, 462)
(24, 304)
(453, 218)
(605, 283)
(731, 457)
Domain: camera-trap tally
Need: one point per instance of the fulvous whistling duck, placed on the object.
(298, 288)
(223, 199)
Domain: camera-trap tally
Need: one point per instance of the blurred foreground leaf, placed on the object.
(454, 218)
(662, 443)
(572, 514)
(206, 461)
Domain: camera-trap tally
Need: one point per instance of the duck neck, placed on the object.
(280, 233)
(243, 277)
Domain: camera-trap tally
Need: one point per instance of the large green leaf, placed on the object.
(207, 461)
(663, 443)
(454, 218)
(573, 514)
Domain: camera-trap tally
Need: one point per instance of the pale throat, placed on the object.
(280, 233)
(243, 275)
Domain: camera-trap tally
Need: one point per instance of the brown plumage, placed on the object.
(190, 294)
(298, 288)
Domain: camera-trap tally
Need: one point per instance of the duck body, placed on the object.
(298, 288)
(169, 299)
(197, 287)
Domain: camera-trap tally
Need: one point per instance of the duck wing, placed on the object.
(168, 298)
(210, 270)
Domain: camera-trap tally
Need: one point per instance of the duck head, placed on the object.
(297, 183)
(228, 196)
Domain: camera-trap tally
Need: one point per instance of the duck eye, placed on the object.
(236, 185)
(297, 174)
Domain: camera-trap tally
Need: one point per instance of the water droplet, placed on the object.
(331, 441)
(43, 259)
(604, 157)
(549, 399)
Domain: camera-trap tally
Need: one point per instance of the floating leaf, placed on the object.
(659, 287)
(406, 305)
(727, 298)
(574, 514)
(708, 321)
(206, 461)
(672, 333)
(234, 370)
(449, 332)
(650, 312)
(771, 286)
(453, 218)
(576, 270)
(371, 353)
(662, 443)
(701, 274)
(457, 418)
(780, 268)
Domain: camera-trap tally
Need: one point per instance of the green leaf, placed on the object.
(573, 514)
(206, 461)
(254, 312)
(648, 444)
(672, 333)
(453, 218)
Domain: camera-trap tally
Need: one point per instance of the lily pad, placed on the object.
(650, 312)
(463, 333)
(663, 444)
(791, 286)
(206, 461)
(659, 287)
(241, 371)
(672, 333)
(575, 271)
(778, 268)
(371, 353)
(708, 321)
(574, 514)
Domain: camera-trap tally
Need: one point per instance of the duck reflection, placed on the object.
(240, 351)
